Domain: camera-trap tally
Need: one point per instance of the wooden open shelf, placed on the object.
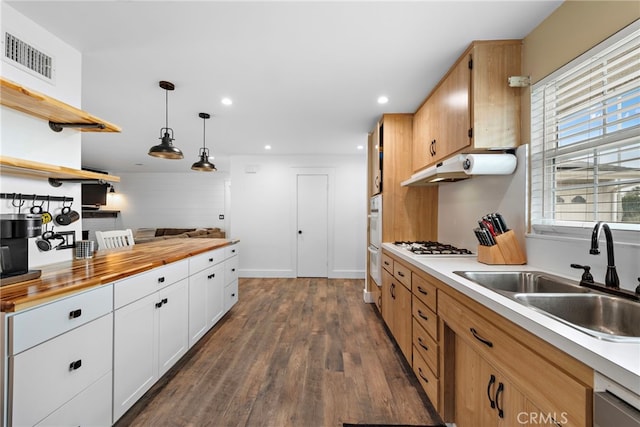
(19, 98)
(31, 169)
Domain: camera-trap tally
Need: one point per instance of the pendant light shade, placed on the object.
(166, 149)
(203, 165)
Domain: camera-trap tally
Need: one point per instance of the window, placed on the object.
(585, 142)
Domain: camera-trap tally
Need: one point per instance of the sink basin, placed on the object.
(522, 281)
(603, 316)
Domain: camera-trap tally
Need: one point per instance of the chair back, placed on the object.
(114, 239)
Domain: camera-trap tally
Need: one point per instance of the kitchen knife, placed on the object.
(502, 222)
(496, 223)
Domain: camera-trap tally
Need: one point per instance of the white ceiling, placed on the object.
(303, 76)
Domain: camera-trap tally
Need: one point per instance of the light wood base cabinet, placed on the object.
(396, 311)
(498, 374)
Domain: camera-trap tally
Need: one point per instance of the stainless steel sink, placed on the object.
(523, 281)
(604, 316)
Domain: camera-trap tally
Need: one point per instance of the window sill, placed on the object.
(623, 234)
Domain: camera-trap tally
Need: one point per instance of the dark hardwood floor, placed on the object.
(292, 352)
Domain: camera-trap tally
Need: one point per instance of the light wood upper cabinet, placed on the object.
(472, 108)
(375, 173)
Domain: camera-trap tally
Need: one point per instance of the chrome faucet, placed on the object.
(611, 278)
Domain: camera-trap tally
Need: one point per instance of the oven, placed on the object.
(375, 239)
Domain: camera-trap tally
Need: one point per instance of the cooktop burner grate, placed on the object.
(432, 248)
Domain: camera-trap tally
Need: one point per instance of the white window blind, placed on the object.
(585, 142)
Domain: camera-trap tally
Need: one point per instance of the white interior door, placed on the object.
(313, 225)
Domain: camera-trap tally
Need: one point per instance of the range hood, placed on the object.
(450, 170)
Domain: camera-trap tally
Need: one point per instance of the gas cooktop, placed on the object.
(433, 248)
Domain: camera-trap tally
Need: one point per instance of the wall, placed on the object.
(154, 200)
(571, 30)
(264, 216)
(26, 137)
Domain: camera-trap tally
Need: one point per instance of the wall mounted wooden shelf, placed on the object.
(58, 113)
(31, 169)
(99, 214)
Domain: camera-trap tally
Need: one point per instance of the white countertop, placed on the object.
(619, 361)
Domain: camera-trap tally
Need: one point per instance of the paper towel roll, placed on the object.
(489, 164)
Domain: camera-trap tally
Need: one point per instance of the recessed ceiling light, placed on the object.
(226, 101)
(383, 99)
(267, 147)
(360, 147)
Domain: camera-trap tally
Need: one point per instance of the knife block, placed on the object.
(505, 251)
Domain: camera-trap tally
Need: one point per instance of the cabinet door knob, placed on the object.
(492, 381)
(160, 279)
(422, 344)
(233, 295)
(165, 300)
(210, 259)
(159, 304)
(498, 393)
(73, 314)
(233, 269)
(422, 375)
(479, 338)
(75, 365)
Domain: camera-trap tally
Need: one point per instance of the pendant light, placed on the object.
(165, 149)
(203, 165)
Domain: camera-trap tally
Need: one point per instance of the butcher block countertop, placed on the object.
(65, 278)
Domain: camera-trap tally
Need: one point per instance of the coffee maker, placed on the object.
(15, 231)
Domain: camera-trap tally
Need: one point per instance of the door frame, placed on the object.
(330, 173)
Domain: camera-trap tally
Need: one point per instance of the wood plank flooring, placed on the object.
(292, 352)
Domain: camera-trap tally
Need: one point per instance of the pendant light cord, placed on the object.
(166, 108)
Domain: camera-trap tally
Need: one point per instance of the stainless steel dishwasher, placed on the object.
(611, 411)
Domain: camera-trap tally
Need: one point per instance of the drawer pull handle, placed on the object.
(159, 304)
(422, 344)
(211, 276)
(233, 269)
(492, 381)
(165, 300)
(422, 375)
(479, 338)
(210, 259)
(233, 251)
(75, 365)
(422, 291)
(386, 263)
(498, 393)
(160, 279)
(73, 314)
(400, 273)
(421, 314)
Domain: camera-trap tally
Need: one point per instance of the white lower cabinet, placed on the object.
(90, 408)
(206, 301)
(51, 374)
(150, 335)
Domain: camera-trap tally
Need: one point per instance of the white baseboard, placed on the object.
(336, 274)
(368, 297)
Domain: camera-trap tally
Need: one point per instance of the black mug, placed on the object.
(67, 216)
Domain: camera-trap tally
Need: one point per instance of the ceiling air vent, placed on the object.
(28, 57)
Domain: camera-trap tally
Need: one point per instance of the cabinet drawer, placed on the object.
(92, 407)
(387, 263)
(230, 295)
(425, 317)
(426, 346)
(133, 288)
(53, 372)
(231, 270)
(427, 379)
(548, 385)
(403, 274)
(32, 327)
(425, 290)
(231, 250)
(200, 262)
